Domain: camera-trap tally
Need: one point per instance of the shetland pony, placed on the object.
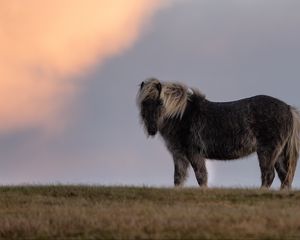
(195, 129)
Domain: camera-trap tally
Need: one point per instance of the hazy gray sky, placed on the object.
(227, 49)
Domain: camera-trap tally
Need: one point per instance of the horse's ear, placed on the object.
(158, 86)
(142, 85)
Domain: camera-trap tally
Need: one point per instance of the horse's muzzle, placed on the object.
(152, 131)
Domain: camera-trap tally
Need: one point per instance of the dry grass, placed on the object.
(88, 212)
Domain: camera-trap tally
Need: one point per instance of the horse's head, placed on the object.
(150, 105)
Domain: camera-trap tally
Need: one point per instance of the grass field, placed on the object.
(92, 212)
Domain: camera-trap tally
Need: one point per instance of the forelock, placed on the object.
(149, 90)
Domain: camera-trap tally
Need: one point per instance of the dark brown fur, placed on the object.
(195, 129)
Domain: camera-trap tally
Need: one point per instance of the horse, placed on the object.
(195, 129)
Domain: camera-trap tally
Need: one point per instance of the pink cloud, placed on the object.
(45, 43)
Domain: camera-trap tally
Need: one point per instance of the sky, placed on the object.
(69, 74)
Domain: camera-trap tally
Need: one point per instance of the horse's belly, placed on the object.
(229, 151)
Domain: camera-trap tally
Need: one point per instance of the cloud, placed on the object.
(46, 43)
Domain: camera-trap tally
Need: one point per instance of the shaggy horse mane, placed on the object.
(174, 96)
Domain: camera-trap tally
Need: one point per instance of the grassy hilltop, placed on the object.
(90, 212)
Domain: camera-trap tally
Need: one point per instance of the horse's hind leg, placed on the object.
(267, 159)
(267, 170)
(281, 167)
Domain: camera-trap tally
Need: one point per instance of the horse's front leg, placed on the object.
(181, 165)
(198, 164)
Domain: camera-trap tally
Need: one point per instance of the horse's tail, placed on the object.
(293, 147)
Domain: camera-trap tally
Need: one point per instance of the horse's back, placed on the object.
(256, 108)
(234, 129)
(267, 116)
